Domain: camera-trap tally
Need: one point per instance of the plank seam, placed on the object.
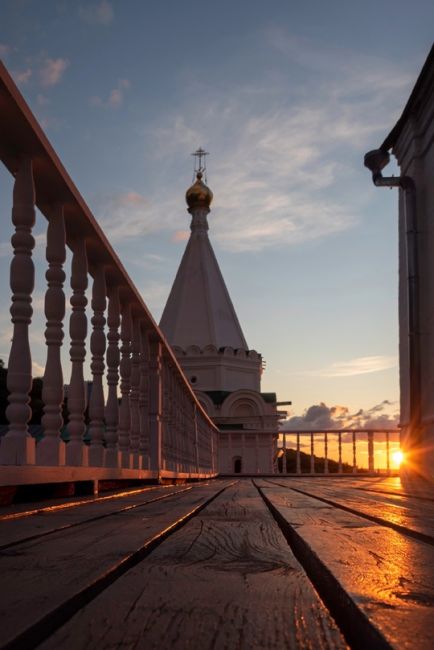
(352, 622)
(53, 620)
(409, 532)
(30, 538)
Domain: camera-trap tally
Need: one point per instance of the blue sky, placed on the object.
(287, 97)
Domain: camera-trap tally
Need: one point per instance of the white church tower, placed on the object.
(200, 323)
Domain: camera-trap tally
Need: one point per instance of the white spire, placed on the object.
(199, 310)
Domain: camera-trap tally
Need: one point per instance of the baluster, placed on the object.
(97, 348)
(135, 392)
(155, 404)
(326, 451)
(340, 452)
(371, 451)
(388, 452)
(210, 433)
(112, 456)
(196, 437)
(76, 452)
(180, 425)
(312, 454)
(18, 447)
(125, 371)
(51, 449)
(144, 401)
(354, 454)
(165, 444)
(298, 458)
(257, 453)
(284, 463)
(174, 417)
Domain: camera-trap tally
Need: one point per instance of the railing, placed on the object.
(157, 426)
(339, 451)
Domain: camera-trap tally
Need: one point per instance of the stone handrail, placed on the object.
(158, 425)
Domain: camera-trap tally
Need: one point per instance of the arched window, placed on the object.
(237, 465)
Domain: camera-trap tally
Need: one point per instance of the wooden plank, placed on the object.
(389, 577)
(38, 576)
(226, 580)
(402, 511)
(51, 518)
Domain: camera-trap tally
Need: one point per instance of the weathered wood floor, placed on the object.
(264, 563)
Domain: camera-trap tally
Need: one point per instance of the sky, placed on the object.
(287, 97)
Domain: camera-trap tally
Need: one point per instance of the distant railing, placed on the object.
(150, 420)
(339, 451)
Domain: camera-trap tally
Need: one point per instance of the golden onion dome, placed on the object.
(198, 195)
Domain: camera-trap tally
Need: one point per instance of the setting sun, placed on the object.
(398, 457)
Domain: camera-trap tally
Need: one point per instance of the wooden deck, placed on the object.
(263, 563)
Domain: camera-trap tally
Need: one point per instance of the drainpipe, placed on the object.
(375, 161)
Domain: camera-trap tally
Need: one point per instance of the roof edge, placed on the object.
(394, 134)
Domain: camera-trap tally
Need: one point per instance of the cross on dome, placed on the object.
(199, 154)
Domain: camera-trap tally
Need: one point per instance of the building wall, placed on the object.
(415, 154)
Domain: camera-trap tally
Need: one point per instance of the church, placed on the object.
(200, 323)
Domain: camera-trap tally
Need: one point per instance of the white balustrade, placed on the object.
(371, 446)
(123, 440)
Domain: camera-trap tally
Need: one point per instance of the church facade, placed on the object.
(200, 323)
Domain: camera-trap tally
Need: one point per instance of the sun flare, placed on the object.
(398, 457)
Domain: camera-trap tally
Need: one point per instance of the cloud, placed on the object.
(357, 366)
(100, 13)
(115, 98)
(52, 71)
(4, 49)
(37, 369)
(126, 215)
(277, 165)
(180, 235)
(321, 417)
(42, 100)
(23, 76)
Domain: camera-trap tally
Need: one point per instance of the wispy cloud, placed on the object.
(357, 366)
(115, 98)
(277, 169)
(100, 13)
(4, 49)
(23, 76)
(52, 71)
